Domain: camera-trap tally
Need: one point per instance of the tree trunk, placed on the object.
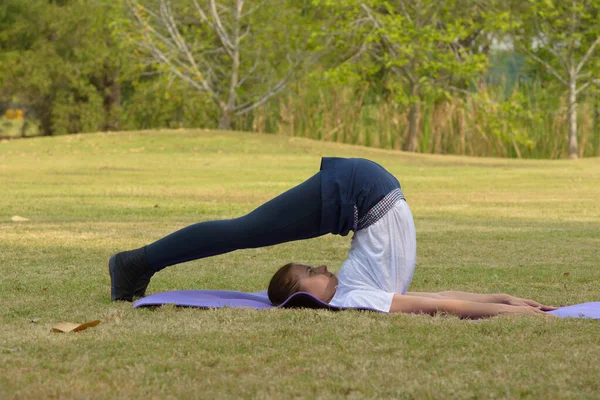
(411, 144)
(597, 124)
(24, 127)
(573, 150)
(112, 101)
(225, 120)
(45, 116)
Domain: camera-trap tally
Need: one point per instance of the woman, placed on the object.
(347, 194)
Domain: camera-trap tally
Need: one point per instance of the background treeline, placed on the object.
(477, 77)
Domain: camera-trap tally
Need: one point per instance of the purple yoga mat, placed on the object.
(583, 310)
(260, 300)
(230, 298)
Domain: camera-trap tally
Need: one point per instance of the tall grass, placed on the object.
(527, 120)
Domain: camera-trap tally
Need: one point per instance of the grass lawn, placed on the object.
(528, 228)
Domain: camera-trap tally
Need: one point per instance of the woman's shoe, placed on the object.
(143, 282)
(129, 274)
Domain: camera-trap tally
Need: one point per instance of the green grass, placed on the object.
(484, 225)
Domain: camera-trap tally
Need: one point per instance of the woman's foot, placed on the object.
(143, 282)
(129, 274)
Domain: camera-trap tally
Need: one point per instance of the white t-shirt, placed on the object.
(380, 263)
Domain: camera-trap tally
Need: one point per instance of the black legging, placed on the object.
(293, 215)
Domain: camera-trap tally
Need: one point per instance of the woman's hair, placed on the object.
(283, 284)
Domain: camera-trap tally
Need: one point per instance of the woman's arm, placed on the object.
(499, 298)
(461, 308)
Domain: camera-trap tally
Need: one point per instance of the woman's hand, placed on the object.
(527, 309)
(516, 301)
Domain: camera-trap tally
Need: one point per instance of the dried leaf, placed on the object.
(17, 218)
(65, 327)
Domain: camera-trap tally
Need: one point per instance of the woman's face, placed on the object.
(317, 281)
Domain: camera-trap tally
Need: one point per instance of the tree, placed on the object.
(17, 35)
(78, 88)
(563, 37)
(425, 45)
(239, 53)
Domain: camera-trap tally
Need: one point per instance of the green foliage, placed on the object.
(409, 44)
(415, 49)
(368, 67)
(244, 56)
(505, 120)
(519, 117)
(81, 61)
(163, 102)
(555, 37)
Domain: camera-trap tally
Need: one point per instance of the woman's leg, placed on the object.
(293, 215)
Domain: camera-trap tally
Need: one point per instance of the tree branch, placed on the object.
(278, 87)
(253, 9)
(547, 65)
(549, 47)
(379, 25)
(219, 65)
(249, 74)
(218, 30)
(161, 58)
(175, 44)
(409, 76)
(588, 83)
(171, 26)
(587, 55)
(221, 32)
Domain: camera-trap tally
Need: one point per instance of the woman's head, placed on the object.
(293, 278)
